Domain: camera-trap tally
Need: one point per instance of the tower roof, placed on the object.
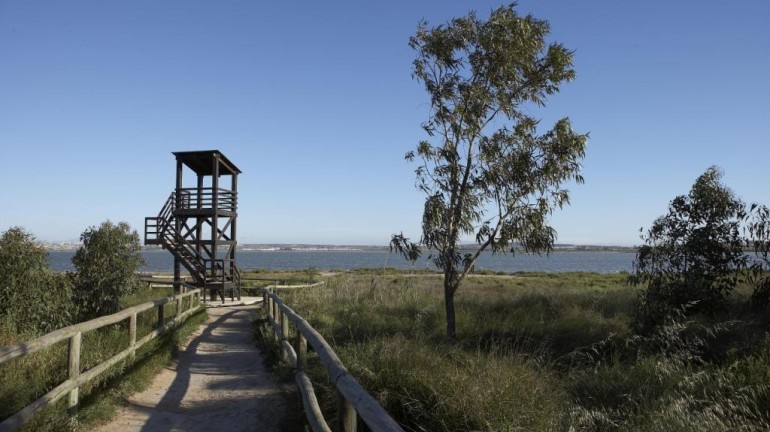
(202, 162)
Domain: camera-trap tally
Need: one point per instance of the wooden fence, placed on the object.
(352, 399)
(75, 334)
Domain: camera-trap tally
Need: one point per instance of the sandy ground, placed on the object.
(217, 382)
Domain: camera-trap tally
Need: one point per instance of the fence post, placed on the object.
(346, 414)
(277, 318)
(132, 334)
(161, 318)
(284, 334)
(74, 371)
(178, 307)
(301, 349)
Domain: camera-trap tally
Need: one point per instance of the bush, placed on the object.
(106, 267)
(692, 254)
(32, 297)
(758, 238)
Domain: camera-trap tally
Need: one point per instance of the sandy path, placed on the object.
(217, 382)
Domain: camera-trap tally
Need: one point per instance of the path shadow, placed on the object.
(243, 397)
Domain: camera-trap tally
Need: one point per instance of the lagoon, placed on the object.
(158, 260)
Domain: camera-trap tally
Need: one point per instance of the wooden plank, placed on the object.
(74, 371)
(301, 351)
(367, 407)
(285, 334)
(161, 317)
(132, 332)
(276, 332)
(289, 354)
(315, 417)
(317, 284)
(346, 414)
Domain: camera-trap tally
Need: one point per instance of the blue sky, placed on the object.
(315, 103)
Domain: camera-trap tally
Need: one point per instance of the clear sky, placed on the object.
(314, 101)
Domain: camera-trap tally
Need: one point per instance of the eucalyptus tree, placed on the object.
(106, 266)
(757, 231)
(485, 169)
(694, 253)
(32, 297)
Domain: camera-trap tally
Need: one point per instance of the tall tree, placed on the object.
(485, 170)
(106, 267)
(693, 253)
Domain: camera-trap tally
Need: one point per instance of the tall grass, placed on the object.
(27, 378)
(538, 352)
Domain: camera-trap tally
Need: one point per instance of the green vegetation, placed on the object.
(106, 267)
(486, 171)
(26, 379)
(693, 256)
(541, 352)
(757, 230)
(33, 299)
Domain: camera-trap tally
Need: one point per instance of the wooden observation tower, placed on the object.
(198, 224)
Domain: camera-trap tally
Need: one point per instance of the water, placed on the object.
(599, 262)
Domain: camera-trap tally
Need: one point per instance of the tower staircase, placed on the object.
(194, 223)
(169, 230)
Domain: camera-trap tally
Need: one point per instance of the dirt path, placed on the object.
(217, 382)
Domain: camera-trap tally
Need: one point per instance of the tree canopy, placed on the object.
(485, 169)
(693, 253)
(757, 231)
(106, 267)
(32, 297)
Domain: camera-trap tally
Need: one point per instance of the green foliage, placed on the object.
(670, 386)
(26, 379)
(33, 299)
(539, 352)
(498, 185)
(692, 254)
(758, 238)
(106, 267)
(460, 391)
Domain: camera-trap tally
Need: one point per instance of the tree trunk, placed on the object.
(449, 304)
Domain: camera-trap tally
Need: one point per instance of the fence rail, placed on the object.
(75, 334)
(352, 399)
(206, 198)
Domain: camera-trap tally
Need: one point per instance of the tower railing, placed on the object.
(203, 199)
(161, 230)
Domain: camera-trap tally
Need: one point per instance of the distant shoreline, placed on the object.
(71, 247)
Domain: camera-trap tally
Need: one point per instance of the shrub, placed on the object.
(692, 254)
(758, 238)
(32, 297)
(106, 267)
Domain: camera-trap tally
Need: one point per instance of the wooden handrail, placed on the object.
(194, 198)
(352, 398)
(74, 333)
